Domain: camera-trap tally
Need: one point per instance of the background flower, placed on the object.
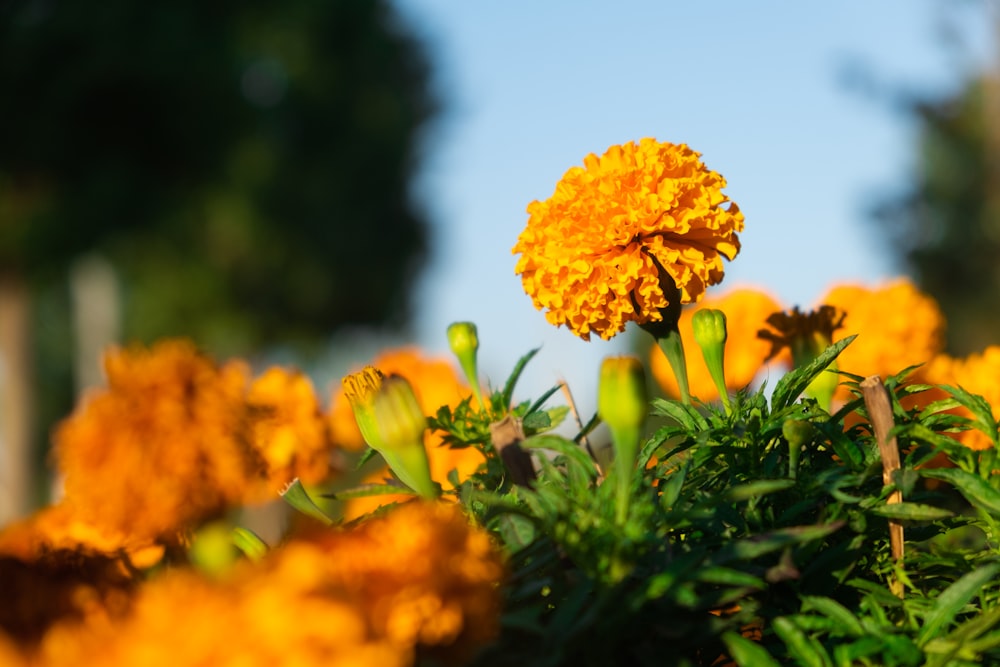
(897, 326)
(746, 311)
(600, 251)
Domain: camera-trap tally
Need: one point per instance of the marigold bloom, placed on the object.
(897, 326)
(158, 450)
(604, 248)
(419, 577)
(288, 429)
(977, 374)
(747, 310)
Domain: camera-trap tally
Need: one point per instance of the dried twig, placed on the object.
(579, 424)
(877, 402)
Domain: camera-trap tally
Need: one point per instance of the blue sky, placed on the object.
(530, 87)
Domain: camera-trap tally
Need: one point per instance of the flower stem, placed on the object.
(673, 348)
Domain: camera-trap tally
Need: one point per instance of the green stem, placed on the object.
(673, 349)
(626, 441)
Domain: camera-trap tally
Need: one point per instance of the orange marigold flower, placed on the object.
(420, 577)
(897, 326)
(977, 374)
(288, 429)
(160, 448)
(747, 310)
(603, 250)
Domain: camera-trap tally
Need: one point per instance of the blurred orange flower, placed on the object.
(421, 576)
(288, 429)
(746, 311)
(602, 250)
(158, 449)
(897, 326)
(977, 374)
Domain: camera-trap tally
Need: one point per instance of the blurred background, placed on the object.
(308, 182)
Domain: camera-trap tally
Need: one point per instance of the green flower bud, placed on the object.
(464, 341)
(709, 328)
(622, 403)
(393, 423)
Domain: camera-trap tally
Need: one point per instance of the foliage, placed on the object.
(754, 537)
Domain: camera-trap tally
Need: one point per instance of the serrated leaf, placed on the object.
(747, 653)
(247, 541)
(685, 415)
(759, 488)
(757, 545)
(517, 531)
(975, 489)
(980, 409)
(367, 490)
(846, 621)
(953, 599)
(806, 650)
(536, 421)
(912, 512)
(366, 456)
(508, 389)
(790, 387)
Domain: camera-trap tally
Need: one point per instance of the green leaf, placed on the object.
(912, 512)
(846, 621)
(975, 489)
(747, 653)
(724, 576)
(806, 650)
(366, 456)
(367, 490)
(953, 600)
(670, 488)
(508, 388)
(296, 495)
(544, 397)
(759, 488)
(249, 543)
(790, 387)
(536, 421)
(517, 531)
(685, 415)
(979, 408)
(560, 445)
(758, 545)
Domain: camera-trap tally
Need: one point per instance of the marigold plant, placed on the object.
(626, 234)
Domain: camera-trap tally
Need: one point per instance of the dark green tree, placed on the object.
(946, 228)
(243, 165)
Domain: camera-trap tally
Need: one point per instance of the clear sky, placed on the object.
(759, 88)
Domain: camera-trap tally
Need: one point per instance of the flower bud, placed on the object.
(464, 341)
(360, 390)
(393, 423)
(622, 403)
(709, 327)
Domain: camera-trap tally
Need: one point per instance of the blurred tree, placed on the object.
(244, 166)
(947, 227)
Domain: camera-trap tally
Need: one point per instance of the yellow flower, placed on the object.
(288, 429)
(747, 310)
(625, 234)
(897, 325)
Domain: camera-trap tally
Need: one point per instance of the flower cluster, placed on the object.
(625, 235)
(175, 439)
(420, 577)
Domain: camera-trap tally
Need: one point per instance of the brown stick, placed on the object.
(877, 402)
(507, 435)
